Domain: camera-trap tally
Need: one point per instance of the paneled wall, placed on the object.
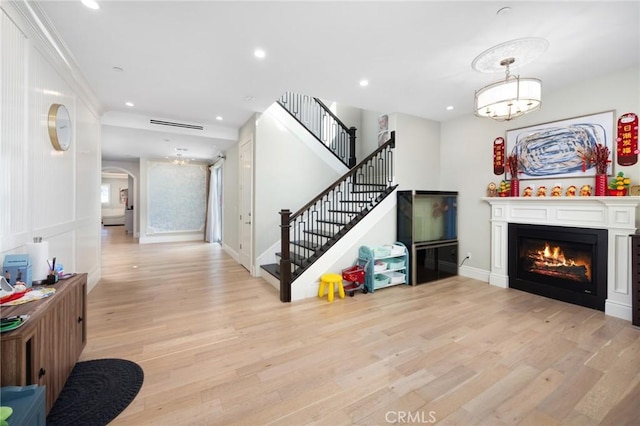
(13, 152)
(46, 193)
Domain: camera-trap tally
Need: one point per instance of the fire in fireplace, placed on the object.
(550, 260)
(568, 264)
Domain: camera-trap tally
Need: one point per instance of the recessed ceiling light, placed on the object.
(91, 4)
(118, 69)
(259, 53)
(219, 118)
(129, 104)
(503, 11)
(364, 83)
(450, 107)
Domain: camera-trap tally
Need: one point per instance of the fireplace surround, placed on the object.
(616, 215)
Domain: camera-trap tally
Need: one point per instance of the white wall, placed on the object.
(46, 193)
(466, 162)
(367, 140)
(349, 115)
(417, 153)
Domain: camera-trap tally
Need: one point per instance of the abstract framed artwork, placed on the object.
(553, 150)
(383, 129)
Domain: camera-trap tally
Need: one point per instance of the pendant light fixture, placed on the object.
(509, 98)
(513, 96)
(180, 160)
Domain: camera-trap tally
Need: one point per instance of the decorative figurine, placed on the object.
(542, 191)
(492, 190)
(504, 189)
(585, 191)
(556, 191)
(528, 192)
(619, 185)
(571, 191)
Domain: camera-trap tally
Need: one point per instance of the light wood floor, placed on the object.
(219, 348)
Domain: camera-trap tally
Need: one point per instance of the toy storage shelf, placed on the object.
(385, 266)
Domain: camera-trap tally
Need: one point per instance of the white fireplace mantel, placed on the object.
(615, 214)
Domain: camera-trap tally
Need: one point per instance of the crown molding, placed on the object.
(39, 30)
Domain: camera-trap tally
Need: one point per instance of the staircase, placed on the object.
(308, 233)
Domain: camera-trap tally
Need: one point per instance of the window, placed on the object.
(105, 193)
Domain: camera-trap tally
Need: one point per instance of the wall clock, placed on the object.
(59, 124)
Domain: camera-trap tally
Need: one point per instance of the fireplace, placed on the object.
(564, 263)
(616, 215)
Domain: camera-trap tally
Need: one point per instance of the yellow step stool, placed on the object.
(331, 279)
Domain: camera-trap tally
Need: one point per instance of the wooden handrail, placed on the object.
(323, 124)
(390, 142)
(335, 117)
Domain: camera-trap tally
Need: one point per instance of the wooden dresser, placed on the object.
(44, 350)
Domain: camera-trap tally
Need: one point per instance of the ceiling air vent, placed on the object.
(170, 123)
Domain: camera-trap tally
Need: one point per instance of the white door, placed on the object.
(246, 196)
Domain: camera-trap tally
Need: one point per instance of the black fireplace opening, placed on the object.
(563, 263)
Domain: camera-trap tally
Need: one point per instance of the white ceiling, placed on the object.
(192, 61)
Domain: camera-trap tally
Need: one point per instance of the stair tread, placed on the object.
(320, 232)
(272, 268)
(345, 211)
(294, 257)
(333, 222)
(306, 244)
(367, 191)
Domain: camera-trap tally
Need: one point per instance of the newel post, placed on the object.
(352, 147)
(285, 261)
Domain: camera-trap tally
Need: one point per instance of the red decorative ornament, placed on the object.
(601, 185)
(498, 156)
(628, 139)
(513, 165)
(515, 188)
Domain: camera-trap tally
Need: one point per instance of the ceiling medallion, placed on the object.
(514, 96)
(522, 50)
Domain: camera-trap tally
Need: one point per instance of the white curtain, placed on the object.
(213, 231)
